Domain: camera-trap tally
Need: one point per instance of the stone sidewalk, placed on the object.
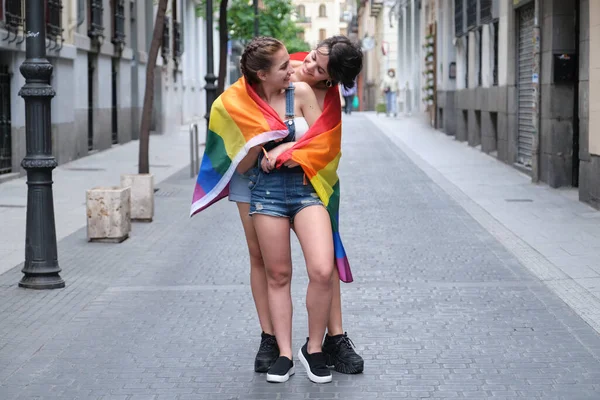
(439, 307)
(550, 231)
(168, 154)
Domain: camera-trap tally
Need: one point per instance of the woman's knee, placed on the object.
(256, 260)
(279, 276)
(321, 274)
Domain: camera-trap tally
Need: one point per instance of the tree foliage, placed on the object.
(274, 19)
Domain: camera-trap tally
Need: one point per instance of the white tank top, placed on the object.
(301, 127)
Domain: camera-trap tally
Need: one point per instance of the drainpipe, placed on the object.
(405, 73)
(414, 59)
(399, 44)
(535, 159)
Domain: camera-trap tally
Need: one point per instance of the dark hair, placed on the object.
(345, 59)
(257, 56)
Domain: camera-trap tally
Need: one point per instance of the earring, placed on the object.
(328, 83)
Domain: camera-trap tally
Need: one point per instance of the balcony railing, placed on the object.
(95, 19)
(118, 38)
(471, 14)
(485, 11)
(166, 40)
(177, 40)
(13, 15)
(376, 7)
(303, 19)
(54, 22)
(459, 28)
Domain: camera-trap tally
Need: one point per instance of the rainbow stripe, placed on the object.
(240, 120)
(318, 152)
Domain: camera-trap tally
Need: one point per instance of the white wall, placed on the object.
(445, 46)
(123, 84)
(461, 62)
(103, 89)
(487, 56)
(594, 78)
(80, 73)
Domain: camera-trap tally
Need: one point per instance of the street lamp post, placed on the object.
(211, 88)
(41, 256)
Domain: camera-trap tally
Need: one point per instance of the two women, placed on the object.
(293, 193)
(335, 60)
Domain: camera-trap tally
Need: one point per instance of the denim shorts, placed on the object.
(281, 194)
(239, 187)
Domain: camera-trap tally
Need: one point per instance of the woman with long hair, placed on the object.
(334, 60)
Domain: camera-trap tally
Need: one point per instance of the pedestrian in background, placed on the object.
(348, 94)
(389, 88)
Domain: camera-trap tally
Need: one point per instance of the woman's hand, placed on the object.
(268, 162)
(291, 163)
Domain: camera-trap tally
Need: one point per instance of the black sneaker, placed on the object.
(267, 353)
(281, 370)
(340, 354)
(316, 369)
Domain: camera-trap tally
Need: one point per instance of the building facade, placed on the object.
(410, 61)
(520, 81)
(377, 31)
(367, 15)
(321, 19)
(589, 102)
(99, 51)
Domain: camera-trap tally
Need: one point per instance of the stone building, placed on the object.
(99, 50)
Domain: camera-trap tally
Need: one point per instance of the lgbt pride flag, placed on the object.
(240, 120)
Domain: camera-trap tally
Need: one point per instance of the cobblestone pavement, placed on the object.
(169, 153)
(439, 308)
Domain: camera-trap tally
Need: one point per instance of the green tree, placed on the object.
(237, 20)
(274, 19)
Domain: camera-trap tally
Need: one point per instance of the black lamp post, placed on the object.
(41, 257)
(211, 88)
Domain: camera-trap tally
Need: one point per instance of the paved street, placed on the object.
(449, 300)
(169, 153)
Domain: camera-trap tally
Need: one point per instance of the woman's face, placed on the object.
(280, 72)
(314, 66)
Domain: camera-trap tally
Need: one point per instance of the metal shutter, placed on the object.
(525, 86)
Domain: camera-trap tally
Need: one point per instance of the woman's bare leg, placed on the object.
(334, 325)
(274, 237)
(313, 228)
(258, 277)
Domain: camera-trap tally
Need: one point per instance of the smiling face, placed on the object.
(279, 74)
(314, 67)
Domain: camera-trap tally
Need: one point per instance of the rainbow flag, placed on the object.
(240, 120)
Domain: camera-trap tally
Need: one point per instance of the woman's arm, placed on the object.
(307, 101)
(249, 161)
(268, 162)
